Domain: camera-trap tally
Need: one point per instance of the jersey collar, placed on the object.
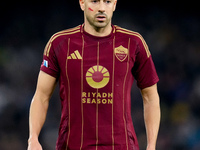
(97, 37)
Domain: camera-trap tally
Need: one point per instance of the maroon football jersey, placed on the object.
(95, 77)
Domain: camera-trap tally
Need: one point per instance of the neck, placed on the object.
(101, 32)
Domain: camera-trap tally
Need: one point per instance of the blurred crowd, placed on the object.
(172, 36)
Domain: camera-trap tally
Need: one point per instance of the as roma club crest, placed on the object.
(121, 53)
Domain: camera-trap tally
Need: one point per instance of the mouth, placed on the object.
(101, 18)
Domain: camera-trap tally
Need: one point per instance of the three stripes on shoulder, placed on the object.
(75, 55)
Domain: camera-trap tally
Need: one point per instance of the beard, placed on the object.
(93, 21)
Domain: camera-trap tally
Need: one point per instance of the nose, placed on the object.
(101, 6)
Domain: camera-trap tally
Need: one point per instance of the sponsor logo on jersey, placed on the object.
(97, 98)
(121, 53)
(97, 77)
(75, 55)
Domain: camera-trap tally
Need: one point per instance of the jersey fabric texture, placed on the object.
(95, 77)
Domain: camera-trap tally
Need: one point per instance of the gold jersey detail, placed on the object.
(97, 98)
(125, 31)
(121, 53)
(64, 32)
(75, 55)
(97, 77)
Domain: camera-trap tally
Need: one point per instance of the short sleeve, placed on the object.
(144, 69)
(50, 62)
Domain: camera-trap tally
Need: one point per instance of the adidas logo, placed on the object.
(75, 55)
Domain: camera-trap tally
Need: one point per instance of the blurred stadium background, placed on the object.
(171, 30)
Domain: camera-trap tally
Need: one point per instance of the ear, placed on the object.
(115, 4)
(82, 4)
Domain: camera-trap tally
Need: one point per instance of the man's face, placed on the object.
(98, 13)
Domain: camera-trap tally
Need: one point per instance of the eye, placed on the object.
(94, 1)
(108, 2)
